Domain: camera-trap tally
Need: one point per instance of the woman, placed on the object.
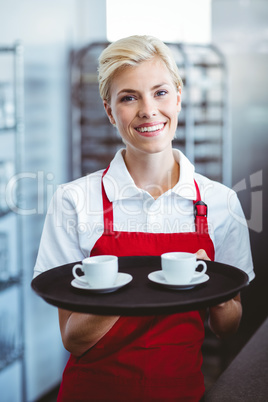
(142, 204)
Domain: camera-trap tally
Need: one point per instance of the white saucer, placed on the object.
(158, 277)
(121, 280)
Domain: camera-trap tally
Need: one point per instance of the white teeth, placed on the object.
(150, 128)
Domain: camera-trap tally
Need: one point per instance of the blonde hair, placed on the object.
(132, 51)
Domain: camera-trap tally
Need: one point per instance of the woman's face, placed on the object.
(144, 106)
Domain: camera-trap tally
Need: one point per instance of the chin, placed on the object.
(157, 148)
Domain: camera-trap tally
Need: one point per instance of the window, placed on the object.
(169, 20)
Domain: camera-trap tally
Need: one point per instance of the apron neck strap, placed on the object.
(108, 215)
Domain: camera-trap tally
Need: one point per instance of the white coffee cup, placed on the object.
(99, 271)
(180, 268)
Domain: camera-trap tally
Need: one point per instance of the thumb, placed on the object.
(202, 255)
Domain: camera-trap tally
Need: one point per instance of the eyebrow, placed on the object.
(129, 90)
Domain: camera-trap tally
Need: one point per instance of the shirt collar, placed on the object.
(185, 187)
(119, 185)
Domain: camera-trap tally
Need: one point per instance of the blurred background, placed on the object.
(53, 129)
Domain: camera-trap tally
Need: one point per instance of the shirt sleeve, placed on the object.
(234, 247)
(59, 243)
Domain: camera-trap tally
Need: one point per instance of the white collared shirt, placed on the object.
(74, 220)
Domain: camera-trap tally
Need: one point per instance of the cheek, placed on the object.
(122, 122)
(173, 110)
(124, 118)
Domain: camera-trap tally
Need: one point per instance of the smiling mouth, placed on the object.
(150, 129)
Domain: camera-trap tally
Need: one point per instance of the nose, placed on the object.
(147, 108)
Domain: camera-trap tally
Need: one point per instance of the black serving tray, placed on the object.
(140, 297)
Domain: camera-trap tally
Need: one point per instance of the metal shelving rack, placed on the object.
(12, 127)
(204, 127)
(203, 131)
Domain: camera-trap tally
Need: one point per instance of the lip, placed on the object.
(150, 133)
(155, 123)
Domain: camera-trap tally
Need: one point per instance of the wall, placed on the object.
(240, 29)
(48, 30)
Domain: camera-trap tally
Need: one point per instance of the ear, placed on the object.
(179, 100)
(108, 110)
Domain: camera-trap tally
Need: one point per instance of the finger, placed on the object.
(202, 255)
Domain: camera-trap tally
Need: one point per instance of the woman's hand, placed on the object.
(79, 332)
(224, 319)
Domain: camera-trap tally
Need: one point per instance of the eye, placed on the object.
(162, 92)
(127, 98)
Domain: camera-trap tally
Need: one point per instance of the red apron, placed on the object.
(155, 358)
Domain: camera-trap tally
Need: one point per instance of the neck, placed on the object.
(155, 173)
